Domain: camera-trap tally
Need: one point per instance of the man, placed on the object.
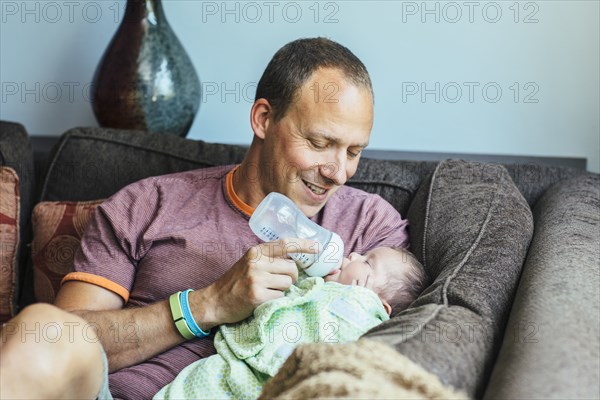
(311, 119)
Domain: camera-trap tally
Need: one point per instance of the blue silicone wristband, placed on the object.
(188, 317)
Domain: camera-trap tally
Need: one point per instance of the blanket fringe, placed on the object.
(364, 369)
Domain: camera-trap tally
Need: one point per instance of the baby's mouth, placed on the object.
(314, 188)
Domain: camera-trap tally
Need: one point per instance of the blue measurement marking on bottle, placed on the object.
(269, 233)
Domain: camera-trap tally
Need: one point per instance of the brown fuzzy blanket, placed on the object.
(365, 369)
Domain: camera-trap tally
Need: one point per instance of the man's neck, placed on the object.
(246, 184)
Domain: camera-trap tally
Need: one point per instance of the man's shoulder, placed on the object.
(349, 201)
(194, 177)
(174, 185)
(350, 206)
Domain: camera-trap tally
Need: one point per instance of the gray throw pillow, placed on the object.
(471, 227)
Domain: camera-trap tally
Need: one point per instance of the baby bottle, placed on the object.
(278, 217)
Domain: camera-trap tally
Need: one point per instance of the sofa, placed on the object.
(512, 251)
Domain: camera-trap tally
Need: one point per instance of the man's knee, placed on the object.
(43, 340)
(45, 321)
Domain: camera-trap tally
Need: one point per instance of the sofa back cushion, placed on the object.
(470, 227)
(94, 163)
(533, 180)
(395, 181)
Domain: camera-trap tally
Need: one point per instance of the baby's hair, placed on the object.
(401, 289)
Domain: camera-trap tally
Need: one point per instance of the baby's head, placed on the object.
(395, 275)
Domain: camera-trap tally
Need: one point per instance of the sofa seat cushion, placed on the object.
(9, 240)
(57, 229)
(470, 227)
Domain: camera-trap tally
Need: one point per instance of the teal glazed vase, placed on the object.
(145, 79)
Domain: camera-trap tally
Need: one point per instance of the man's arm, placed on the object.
(133, 335)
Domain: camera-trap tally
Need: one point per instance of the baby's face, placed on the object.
(366, 270)
(356, 270)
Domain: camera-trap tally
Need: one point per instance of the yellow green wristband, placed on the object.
(180, 324)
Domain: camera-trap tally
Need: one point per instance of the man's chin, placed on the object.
(310, 211)
(310, 208)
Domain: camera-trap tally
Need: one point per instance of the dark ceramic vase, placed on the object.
(145, 79)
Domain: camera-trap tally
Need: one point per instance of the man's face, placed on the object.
(315, 148)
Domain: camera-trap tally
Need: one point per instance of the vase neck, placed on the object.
(150, 10)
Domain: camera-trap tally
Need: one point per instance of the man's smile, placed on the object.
(314, 188)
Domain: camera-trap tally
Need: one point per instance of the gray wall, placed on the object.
(505, 77)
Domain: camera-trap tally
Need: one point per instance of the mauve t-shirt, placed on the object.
(173, 232)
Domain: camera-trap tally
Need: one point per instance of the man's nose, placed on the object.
(335, 171)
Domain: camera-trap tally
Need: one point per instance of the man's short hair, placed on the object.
(295, 62)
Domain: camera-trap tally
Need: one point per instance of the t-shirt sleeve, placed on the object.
(117, 237)
(384, 226)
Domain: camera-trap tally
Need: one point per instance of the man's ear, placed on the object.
(260, 117)
(387, 307)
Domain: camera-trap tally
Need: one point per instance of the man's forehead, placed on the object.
(325, 83)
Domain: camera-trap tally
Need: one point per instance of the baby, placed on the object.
(339, 308)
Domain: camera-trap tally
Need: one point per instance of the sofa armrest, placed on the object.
(551, 348)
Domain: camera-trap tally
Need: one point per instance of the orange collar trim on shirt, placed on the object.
(239, 203)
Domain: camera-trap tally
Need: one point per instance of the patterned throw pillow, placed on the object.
(57, 230)
(9, 240)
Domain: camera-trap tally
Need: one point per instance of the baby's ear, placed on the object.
(387, 307)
